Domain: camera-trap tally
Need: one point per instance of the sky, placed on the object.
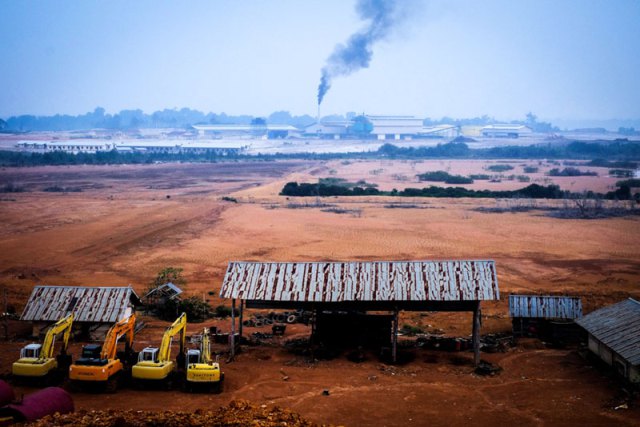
(561, 59)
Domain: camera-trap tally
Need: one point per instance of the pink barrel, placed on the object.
(6, 393)
(47, 401)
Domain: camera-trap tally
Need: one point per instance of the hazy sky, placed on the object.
(565, 59)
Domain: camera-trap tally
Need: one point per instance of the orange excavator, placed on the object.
(102, 365)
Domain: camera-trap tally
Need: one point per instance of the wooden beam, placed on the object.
(240, 320)
(476, 334)
(394, 338)
(232, 337)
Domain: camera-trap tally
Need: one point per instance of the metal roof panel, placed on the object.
(361, 281)
(88, 304)
(618, 327)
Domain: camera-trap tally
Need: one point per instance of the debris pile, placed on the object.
(238, 414)
(261, 319)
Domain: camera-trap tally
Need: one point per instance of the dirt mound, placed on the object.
(239, 413)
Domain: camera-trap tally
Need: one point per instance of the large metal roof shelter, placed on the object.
(457, 285)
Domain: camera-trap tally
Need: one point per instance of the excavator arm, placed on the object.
(178, 327)
(62, 326)
(126, 328)
(205, 347)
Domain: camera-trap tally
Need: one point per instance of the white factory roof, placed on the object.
(80, 143)
(506, 127)
(244, 128)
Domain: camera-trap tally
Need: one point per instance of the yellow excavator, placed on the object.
(102, 365)
(155, 364)
(202, 371)
(37, 360)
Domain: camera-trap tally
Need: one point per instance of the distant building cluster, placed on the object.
(232, 138)
(129, 146)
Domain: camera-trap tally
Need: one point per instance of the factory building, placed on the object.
(396, 127)
(72, 146)
(247, 131)
(138, 145)
(329, 129)
(440, 131)
(506, 131)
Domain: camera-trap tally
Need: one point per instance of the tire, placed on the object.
(112, 385)
(292, 318)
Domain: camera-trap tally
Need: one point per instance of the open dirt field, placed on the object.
(128, 222)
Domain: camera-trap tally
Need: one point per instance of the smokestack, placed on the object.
(318, 118)
(356, 53)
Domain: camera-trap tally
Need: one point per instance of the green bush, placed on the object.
(499, 168)
(442, 176)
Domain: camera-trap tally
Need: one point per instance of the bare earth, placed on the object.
(131, 221)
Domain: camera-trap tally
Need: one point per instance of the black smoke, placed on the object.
(357, 52)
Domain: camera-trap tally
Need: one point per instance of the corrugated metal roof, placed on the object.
(618, 327)
(545, 306)
(362, 281)
(88, 304)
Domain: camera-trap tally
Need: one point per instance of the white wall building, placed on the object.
(506, 131)
(395, 127)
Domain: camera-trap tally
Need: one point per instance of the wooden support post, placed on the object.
(394, 338)
(240, 320)
(476, 334)
(232, 337)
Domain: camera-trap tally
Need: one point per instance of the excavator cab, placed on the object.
(91, 356)
(193, 356)
(148, 354)
(31, 350)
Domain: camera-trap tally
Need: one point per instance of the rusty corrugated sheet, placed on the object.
(545, 306)
(92, 304)
(618, 327)
(362, 281)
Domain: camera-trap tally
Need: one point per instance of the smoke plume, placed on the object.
(357, 52)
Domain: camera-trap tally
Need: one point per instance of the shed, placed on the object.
(390, 286)
(614, 336)
(545, 316)
(94, 308)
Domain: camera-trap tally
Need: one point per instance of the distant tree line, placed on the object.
(136, 119)
(606, 153)
(533, 191)
(573, 150)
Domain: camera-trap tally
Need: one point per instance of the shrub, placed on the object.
(480, 176)
(222, 311)
(621, 173)
(11, 187)
(442, 176)
(59, 189)
(499, 168)
(632, 183)
(530, 169)
(570, 172)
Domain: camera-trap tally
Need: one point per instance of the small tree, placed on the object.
(169, 274)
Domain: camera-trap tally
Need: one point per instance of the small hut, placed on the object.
(614, 336)
(547, 317)
(95, 309)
